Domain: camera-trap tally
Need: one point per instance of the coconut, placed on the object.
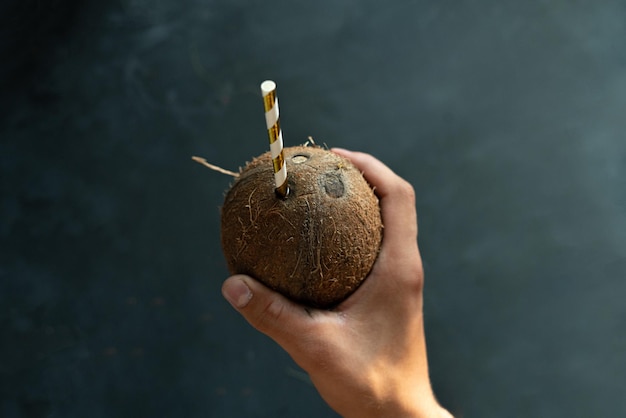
(314, 246)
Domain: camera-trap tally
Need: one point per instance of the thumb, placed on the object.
(266, 310)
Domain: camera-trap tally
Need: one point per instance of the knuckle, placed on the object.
(417, 277)
(408, 275)
(269, 314)
(406, 190)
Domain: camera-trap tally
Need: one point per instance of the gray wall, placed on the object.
(506, 116)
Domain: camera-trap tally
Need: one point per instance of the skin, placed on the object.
(367, 357)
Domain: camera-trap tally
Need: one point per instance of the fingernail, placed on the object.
(236, 292)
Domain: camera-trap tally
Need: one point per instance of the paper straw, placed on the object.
(272, 120)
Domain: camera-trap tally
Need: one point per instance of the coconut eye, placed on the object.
(332, 184)
(299, 159)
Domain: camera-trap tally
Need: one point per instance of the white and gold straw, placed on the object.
(272, 120)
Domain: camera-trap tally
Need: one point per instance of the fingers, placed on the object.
(266, 310)
(398, 268)
(397, 197)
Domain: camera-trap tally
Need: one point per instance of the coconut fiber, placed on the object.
(314, 246)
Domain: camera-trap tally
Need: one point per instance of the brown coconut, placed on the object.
(316, 245)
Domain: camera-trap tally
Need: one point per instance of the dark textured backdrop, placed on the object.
(507, 116)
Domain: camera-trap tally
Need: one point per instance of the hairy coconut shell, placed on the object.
(316, 245)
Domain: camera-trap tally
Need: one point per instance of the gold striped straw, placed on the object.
(272, 120)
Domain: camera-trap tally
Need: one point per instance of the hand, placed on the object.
(367, 357)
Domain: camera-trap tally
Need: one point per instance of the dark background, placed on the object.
(508, 117)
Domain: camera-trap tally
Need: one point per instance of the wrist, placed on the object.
(421, 404)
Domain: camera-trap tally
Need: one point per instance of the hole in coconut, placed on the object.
(299, 159)
(332, 183)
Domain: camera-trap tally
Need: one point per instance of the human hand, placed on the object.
(366, 357)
